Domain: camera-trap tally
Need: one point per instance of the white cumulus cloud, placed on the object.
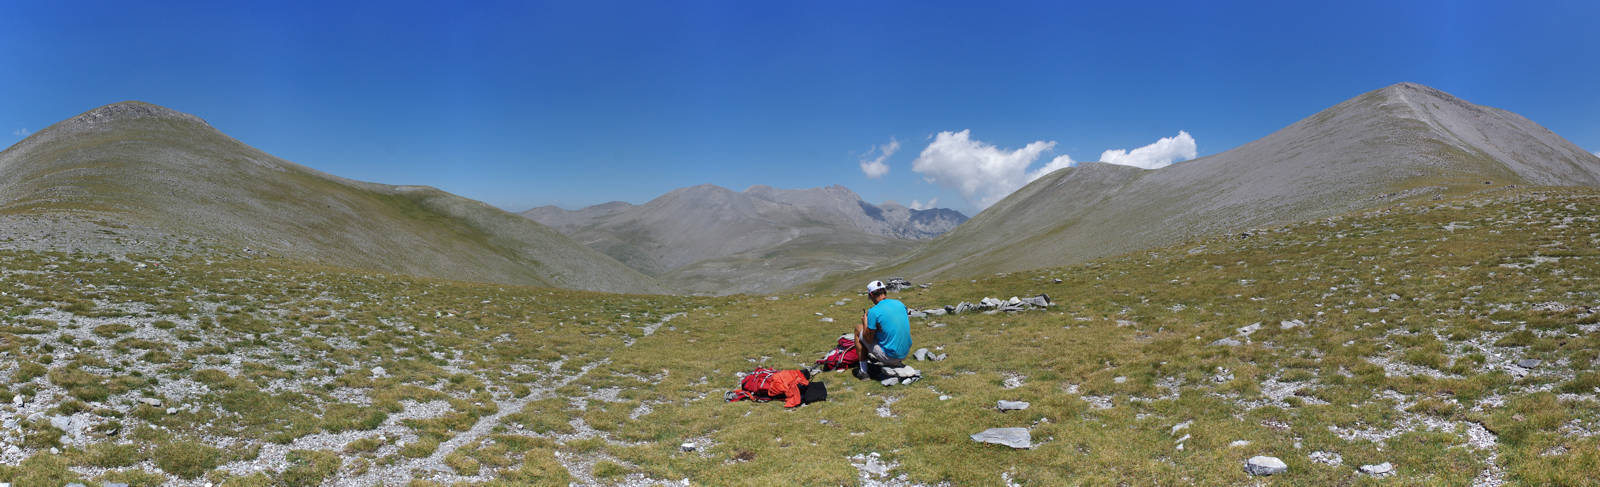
(982, 172)
(22, 132)
(985, 174)
(1160, 154)
(875, 168)
(918, 205)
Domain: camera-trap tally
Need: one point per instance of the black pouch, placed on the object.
(817, 391)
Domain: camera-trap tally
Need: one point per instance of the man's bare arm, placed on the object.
(864, 338)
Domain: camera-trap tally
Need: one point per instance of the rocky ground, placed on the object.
(1449, 342)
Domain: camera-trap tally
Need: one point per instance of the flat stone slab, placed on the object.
(1529, 363)
(1012, 405)
(1263, 465)
(1380, 469)
(1018, 438)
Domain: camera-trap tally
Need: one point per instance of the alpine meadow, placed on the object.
(642, 245)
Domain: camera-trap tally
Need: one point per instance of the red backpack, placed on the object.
(753, 387)
(843, 356)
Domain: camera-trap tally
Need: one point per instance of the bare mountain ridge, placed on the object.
(172, 176)
(1402, 141)
(711, 239)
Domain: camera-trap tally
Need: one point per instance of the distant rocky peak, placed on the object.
(131, 110)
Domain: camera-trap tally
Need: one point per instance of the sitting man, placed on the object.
(884, 339)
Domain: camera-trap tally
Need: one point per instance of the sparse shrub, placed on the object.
(309, 467)
(80, 384)
(27, 371)
(1434, 407)
(462, 464)
(1521, 338)
(135, 478)
(363, 445)
(112, 329)
(111, 455)
(42, 436)
(187, 459)
(420, 448)
(42, 469)
(607, 469)
(70, 407)
(345, 417)
(1584, 383)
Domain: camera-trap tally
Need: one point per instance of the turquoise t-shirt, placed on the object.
(891, 327)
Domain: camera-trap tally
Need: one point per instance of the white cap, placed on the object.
(875, 286)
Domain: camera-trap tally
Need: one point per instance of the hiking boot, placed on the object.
(858, 373)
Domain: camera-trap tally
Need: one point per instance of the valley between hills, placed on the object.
(1399, 289)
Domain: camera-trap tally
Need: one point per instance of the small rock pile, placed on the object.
(988, 305)
(896, 284)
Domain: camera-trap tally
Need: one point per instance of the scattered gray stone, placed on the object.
(1012, 405)
(921, 353)
(687, 446)
(150, 401)
(1018, 438)
(897, 283)
(1327, 458)
(113, 484)
(1239, 443)
(939, 357)
(172, 410)
(918, 314)
(1378, 470)
(75, 484)
(871, 464)
(1057, 281)
(17, 400)
(826, 320)
(1181, 426)
(1264, 465)
(1248, 329)
(935, 311)
(1291, 324)
(1529, 363)
(379, 372)
(944, 397)
(1226, 342)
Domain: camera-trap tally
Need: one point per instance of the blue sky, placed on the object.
(574, 103)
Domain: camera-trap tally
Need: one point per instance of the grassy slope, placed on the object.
(1403, 141)
(160, 169)
(1412, 315)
